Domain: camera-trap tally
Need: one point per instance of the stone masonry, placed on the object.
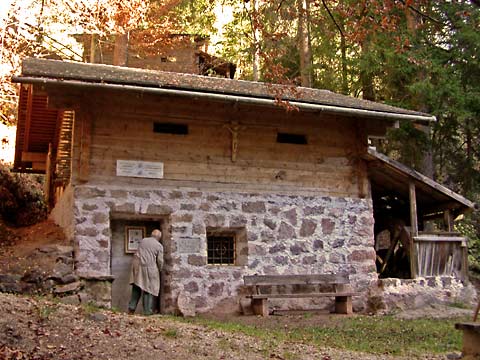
(286, 234)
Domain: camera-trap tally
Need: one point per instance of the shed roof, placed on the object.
(391, 177)
(98, 75)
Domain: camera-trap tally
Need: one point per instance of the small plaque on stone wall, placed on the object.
(143, 169)
(188, 245)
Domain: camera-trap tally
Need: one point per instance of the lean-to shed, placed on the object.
(238, 184)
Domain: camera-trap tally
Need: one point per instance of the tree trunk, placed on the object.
(256, 43)
(365, 74)
(343, 46)
(428, 167)
(304, 43)
(368, 91)
(468, 171)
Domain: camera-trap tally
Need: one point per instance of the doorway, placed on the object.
(122, 254)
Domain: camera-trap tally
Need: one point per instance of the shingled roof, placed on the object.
(97, 75)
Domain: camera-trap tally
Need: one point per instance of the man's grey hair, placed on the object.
(157, 234)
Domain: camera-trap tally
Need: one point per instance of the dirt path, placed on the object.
(40, 329)
(17, 243)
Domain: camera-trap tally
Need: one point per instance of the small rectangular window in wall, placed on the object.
(221, 248)
(170, 128)
(287, 138)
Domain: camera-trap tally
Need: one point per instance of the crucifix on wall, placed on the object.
(234, 129)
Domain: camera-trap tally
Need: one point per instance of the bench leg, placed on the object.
(471, 343)
(343, 305)
(260, 306)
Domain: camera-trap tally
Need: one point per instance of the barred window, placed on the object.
(221, 249)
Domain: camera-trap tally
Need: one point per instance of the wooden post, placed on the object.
(120, 51)
(28, 118)
(260, 306)
(85, 140)
(413, 228)
(361, 166)
(93, 48)
(448, 219)
(48, 178)
(475, 314)
(471, 339)
(343, 305)
(464, 271)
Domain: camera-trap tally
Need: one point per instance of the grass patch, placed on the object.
(170, 333)
(91, 308)
(44, 311)
(369, 334)
(387, 335)
(460, 305)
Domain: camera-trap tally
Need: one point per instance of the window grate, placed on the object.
(221, 249)
(287, 138)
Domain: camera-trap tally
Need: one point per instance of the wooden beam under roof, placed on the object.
(28, 118)
(34, 156)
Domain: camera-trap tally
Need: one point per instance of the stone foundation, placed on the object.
(391, 295)
(286, 234)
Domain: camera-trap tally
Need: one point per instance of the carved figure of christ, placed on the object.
(234, 128)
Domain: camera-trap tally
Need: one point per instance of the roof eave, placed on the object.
(416, 176)
(346, 111)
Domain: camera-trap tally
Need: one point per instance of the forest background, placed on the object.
(418, 54)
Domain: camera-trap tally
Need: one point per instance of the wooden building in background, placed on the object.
(154, 50)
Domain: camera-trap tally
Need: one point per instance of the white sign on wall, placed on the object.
(143, 169)
(188, 245)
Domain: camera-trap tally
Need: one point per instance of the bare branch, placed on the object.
(421, 13)
(333, 18)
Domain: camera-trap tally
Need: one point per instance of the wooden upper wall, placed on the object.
(120, 127)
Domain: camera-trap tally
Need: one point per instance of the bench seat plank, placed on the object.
(340, 283)
(470, 326)
(301, 295)
(313, 279)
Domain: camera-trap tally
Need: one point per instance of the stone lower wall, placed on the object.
(393, 295)
(62, 213)
(286, 234)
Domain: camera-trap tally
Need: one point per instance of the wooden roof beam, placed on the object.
(34, 156)
(28, 118)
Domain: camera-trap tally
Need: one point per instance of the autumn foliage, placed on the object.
(21, 198)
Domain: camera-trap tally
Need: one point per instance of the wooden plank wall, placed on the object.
(440, 258)
(122, 128)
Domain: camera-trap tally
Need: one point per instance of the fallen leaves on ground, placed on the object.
(40, 329)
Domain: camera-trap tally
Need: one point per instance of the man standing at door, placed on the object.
(145, 276)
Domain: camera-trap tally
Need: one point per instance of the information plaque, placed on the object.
(188, 245)
(142, 169)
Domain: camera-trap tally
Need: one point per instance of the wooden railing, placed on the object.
(441, 254)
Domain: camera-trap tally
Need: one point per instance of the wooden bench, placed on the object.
(339, 289)
(471, 336)
(471, 339)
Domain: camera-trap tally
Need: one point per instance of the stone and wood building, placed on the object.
(238, 184)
